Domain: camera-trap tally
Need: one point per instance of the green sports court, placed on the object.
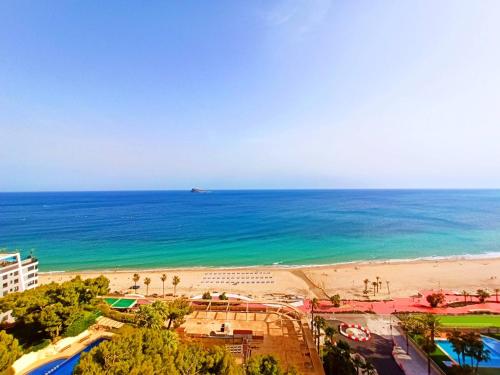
(120, 303)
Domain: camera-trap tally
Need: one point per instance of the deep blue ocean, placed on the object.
(108, 230)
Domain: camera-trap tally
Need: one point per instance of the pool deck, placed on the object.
(52, 354)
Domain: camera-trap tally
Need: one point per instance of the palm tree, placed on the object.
(135, 278)
(482, 295)
(480, 354)
(375, 285)
(163, 279)
(314, 304)
(465, 294)
(366, 281)
(175, 281)
(457, 341)
(407, 322)
(330, 332)
(496, 293)
(428, 346)
(335, 300)
(319, 323)
(378, 282)
(147, 281)
(388, 290)
(432, 325)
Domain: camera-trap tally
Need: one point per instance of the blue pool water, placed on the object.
(63, 366)
(491, 344)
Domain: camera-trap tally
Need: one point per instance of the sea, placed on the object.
(70, 231)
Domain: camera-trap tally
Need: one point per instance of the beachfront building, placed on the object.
(17, 274)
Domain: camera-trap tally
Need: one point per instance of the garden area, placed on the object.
(454, 343)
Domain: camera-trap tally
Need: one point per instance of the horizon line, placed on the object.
(252, 189)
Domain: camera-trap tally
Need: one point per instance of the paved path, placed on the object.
(418, 363)
(379, 348)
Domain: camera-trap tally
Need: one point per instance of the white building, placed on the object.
(17, 274)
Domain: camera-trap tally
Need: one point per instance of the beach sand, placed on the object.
(405, 278)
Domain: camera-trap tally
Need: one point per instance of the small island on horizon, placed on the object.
(198, 190)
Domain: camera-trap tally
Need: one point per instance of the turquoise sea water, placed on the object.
(107, 230)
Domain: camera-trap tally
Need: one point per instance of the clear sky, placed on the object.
(98, 95)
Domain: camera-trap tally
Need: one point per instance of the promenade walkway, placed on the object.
(409, 304)
(417, 365)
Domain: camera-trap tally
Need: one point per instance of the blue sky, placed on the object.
(249, 94)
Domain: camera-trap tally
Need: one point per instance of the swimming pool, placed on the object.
(64, 366)
(490, 343)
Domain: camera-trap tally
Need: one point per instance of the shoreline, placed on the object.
(401, 278)
(433, 258)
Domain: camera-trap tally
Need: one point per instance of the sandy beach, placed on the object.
(399, 279)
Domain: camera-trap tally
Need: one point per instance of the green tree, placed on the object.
(314, 305)
(435, 299)
(149, 317)
(135, 278)
(10, 350)
(223, 296)
(337, 359)
(147, 281)
(176, 311)
(482, 295)
(264, 365)
(206, 295)
(428, 346)
(99, 286)
(375, 286)
(319, 324)
(52, 319)
(431, 324)
(175, 281)
(335, 300)
(465, 294)
(163, 279)
(456, 339)
(480, 354)
(330, 332)
(150, 352)
(475, 349)
(53, 307)
(366, 281)
(412, 325)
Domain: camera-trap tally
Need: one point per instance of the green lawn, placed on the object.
(470, 321)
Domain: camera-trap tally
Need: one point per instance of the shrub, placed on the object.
(116, 315)
(223, 296)
(81, 323)
(206, 295)
(435, 299)
(43, 344)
